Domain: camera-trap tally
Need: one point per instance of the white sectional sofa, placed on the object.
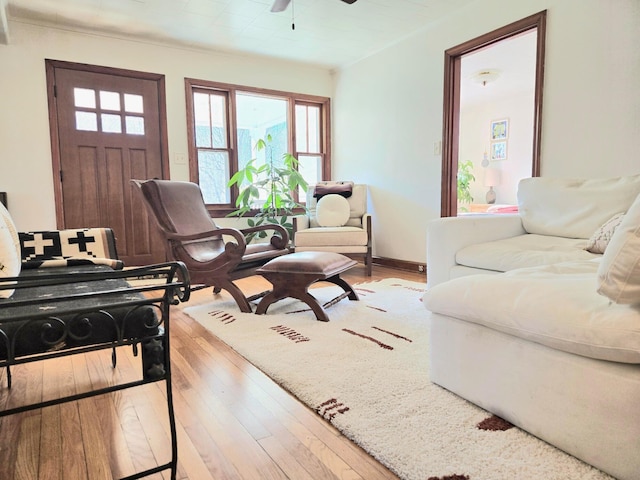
(530, 326)
(556, 219)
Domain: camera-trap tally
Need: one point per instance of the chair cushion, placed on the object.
(331, 236)
(10, 257)
(332, 211)
(619, 272)
(326, 264)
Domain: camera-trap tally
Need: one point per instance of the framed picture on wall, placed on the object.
(499, 129)
(499, 150)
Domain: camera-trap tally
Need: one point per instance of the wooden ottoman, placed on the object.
(292, 275)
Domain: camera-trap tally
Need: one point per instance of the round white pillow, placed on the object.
(332, 211)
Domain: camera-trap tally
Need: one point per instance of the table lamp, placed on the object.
(491, 179)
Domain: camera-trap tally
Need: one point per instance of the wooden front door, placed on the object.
(108, 126)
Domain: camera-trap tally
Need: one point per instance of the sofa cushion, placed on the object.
(332, 211)
(554, 305)
(522, 251)
(619, 272)
(573, 208)
(601, 237)
(331, 236)
(10, 258)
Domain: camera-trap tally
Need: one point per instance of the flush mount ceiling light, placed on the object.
(485, 76)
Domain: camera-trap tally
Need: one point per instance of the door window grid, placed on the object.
(101, 111)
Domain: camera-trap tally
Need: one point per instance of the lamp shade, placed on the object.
(491, 177)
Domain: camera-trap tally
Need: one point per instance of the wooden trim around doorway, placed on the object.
(451, 105)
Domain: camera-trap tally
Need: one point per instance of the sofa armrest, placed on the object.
(446, 236)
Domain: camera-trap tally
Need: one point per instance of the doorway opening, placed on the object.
(497, 144)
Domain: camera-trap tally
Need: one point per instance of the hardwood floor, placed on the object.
(233, 422)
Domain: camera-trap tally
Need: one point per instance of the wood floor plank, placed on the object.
(9, 439)
(237, 444)
(56, 379)
(152, 442)
(138, 447)
(202, 454)
(27, 461)
(286, 459)
(74, 461)
(226, 394)
(196, 452)
(107, 416)
(95, 441)
(50, 462)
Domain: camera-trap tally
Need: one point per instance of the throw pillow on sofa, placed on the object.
(10, 258)
(619, 271)
(601, 237)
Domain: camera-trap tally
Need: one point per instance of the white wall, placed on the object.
(25, 151)
(388, 108)
(475, 121)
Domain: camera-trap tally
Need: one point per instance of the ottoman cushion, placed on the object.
(326, 264)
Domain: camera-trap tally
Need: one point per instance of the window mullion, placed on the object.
(232, 141)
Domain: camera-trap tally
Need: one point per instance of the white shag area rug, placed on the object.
(367, 372)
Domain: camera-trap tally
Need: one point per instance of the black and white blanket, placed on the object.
(70, 247)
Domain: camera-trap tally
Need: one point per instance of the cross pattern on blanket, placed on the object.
(65, 247)
(59, 244)
(38, 246)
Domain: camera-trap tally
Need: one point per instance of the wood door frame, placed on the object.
(451, 106)
(54, 132)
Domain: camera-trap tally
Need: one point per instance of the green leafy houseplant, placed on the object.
(274, 181)
(465, 177)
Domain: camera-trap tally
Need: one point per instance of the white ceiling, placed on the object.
(513, 60)
(328, 33)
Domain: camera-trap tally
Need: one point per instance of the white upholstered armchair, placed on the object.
(337, 221)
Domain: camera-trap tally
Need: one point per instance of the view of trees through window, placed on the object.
(220, 146)
(258, 118)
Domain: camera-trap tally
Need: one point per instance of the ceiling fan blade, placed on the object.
(350, 1)
(280, 5)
